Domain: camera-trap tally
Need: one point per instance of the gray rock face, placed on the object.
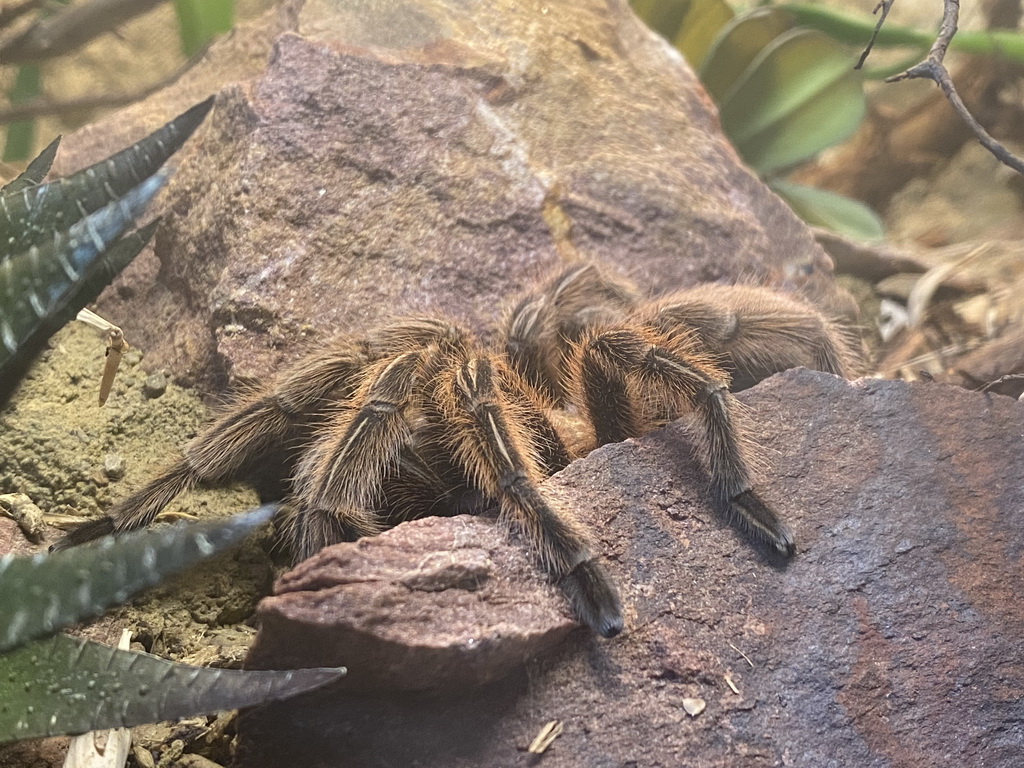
(367, 160)
(894, 637)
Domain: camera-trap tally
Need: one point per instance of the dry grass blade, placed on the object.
(546, 737)
(741, 653)
(732, 685)
(924, 289)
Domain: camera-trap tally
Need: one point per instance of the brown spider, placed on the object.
(419, 418)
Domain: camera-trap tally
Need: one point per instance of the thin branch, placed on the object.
(933, 69)
(885, 6)
(11, 13)
(71, 28)
(29, 110)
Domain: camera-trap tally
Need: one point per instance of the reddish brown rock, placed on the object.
(357, 605)
(371, 159)
(894, 637)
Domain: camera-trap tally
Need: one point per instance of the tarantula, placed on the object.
(420, 418)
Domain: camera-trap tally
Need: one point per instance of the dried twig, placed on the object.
(546, 737)
(1006, 379)
(71, 28)
(29, 110)
(741, 653)
(11, 13)
(934, 69)
(885, 6)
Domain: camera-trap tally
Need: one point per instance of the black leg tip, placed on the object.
(758, 519)
(784, 541)
(86, 532)
(594, 598)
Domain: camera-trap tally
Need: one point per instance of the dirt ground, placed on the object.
(74, 457)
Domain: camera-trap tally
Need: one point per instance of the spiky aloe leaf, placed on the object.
(66, 685)
(32, 215)
(35, 172)
(38, 330)
(41, 594)
(45, 286)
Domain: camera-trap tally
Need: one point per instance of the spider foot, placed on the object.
(593, 597)
(760, 521)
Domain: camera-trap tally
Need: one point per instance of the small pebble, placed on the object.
(114, 466)
(143, 757)
(156, 385)
(694, 707)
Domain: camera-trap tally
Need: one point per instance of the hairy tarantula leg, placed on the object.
(137, 510)
(225, 450)
(757, 331)
(341, 474)
(552, 453)
(610, 357)
(542, 326)
(499, 459)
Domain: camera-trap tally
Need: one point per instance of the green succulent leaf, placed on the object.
(54, 237)
(737, 45)
(827, 209)
(39, 595)
(663, 16)
(35, 172)
(690, 25)
(199, 21)
(45, 286)
(66, 685)
(699, 28)
(857, 30)
(798, 96)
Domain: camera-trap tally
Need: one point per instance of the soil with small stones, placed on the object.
(73, 457)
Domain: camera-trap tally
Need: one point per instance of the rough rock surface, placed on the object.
(894, 637)
(388, 640)
(404, 156)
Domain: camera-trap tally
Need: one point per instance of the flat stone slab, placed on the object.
(486, 609)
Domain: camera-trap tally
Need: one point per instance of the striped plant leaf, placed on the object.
(31, 215)
(62, 242)
(36, 171)
(66, 685)
(40, 595)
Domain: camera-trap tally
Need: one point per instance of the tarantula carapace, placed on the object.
(419, 418)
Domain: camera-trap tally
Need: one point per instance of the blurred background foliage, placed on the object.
(781, 74)
(783, 78)
(785, 92)
(62, 62)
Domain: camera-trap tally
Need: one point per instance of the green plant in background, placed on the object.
(784, 92)
(199, 21)
(54, 685)
(856, 31)
(39, 32)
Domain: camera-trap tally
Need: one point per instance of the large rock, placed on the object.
(403, 156)
(894, 637)
(389, 639)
